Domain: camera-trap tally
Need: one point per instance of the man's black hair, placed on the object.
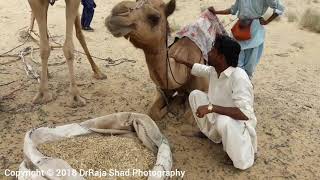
(229, 48)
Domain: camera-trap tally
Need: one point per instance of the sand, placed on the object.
(286, 87)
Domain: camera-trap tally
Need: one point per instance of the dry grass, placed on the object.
(311, 20)
(101, 152)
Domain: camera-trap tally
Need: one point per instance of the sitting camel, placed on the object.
(144, 23)
(39, 12)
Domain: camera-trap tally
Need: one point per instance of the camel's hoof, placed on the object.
(42, 98)
(78, 101)
(100, 76)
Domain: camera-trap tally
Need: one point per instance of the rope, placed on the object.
(6, 53)
(110, 61)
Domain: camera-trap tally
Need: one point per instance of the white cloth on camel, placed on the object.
(203, 32)
(232, 89)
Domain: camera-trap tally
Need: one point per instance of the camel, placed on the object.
(144, 23)
(39, 12)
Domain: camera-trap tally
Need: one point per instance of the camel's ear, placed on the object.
(170, 7)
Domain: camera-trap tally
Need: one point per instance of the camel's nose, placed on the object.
(118, 25)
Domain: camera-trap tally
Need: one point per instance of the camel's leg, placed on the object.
(68, 48)
(158, 108)
(97, 73)
(39, 10)
(32, 19)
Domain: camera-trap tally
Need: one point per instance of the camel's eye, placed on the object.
(153, 19)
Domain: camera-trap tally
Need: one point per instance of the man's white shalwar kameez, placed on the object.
(232, 89)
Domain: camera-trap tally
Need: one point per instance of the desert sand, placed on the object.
(286, 85)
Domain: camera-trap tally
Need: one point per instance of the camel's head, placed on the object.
(143, 22)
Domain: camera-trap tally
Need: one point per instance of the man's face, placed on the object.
(214, 58)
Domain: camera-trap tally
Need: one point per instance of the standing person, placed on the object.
(87, 14)
(225, 114)
(249, 30)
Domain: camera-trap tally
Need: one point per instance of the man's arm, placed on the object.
(188, 64)
(199, 70)
(232, 112)
(232, 10)
(269, 20)
(222, 12)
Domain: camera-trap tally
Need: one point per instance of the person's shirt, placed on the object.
(232, 89)
(253, 9)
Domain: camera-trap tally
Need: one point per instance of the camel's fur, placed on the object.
(39, 12)
(146, 28)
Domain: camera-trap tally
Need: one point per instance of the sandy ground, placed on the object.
(286, 85)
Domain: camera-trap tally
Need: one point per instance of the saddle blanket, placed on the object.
(203, 32)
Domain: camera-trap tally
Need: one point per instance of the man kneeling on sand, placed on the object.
(225, 114)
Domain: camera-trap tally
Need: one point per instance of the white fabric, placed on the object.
(120, 123)
(232, 89)
(238, 138)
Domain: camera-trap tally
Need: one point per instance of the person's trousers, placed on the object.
(249, 58)
(87, 13)
(233, 134)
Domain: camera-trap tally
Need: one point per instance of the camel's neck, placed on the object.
(156, 61)
(160, 71)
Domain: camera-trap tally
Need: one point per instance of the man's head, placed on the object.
(224, 52)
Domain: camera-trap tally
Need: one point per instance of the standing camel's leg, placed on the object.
(39, 10)
(97, 73)
(68, 47)
(158, 108)
(32, 18)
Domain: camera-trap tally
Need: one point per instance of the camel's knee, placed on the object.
(68, 52)
(45, 51)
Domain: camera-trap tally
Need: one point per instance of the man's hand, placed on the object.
(212, 10)
(263, 21)
(202, 111)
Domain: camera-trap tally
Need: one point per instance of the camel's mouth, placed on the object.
(119, 26)
(119, 22)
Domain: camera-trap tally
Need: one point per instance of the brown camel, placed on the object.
(39, 12)
(144, 23)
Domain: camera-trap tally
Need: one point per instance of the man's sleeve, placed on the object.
(201, 70)
(235, 8)
(242, 95)
(276, 5)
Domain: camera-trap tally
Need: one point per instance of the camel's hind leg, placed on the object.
(39, 10)
(97, 73)
(68, 48)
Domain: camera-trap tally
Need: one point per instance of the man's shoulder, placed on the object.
(239, 72)
(240, 75)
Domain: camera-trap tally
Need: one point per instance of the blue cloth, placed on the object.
(249, 58)
(88, 12)
(251, 50)
(252, 9)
